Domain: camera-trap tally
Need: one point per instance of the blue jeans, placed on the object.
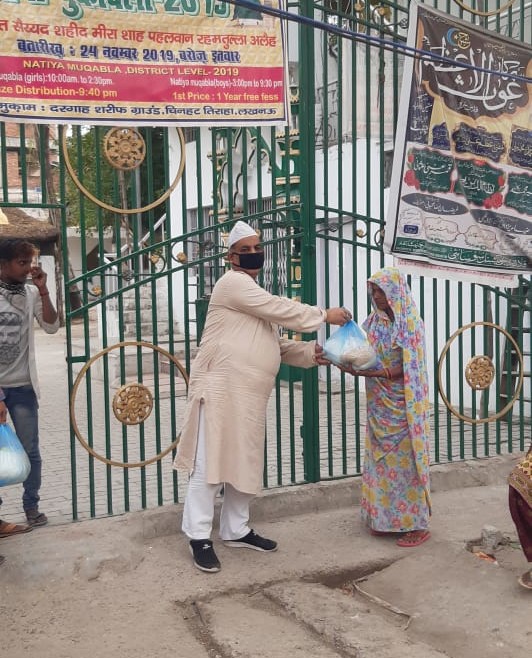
(22, 405)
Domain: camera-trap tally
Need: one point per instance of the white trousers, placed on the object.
(198, 511)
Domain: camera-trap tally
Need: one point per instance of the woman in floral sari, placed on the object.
(395, 483)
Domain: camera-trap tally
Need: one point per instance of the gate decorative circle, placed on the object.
(480, 372)
(115, 209)
(124, 148)
(132, 403)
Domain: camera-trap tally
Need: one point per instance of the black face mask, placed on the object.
(251, 261)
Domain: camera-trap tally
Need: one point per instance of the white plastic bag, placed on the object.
(348, 346)
(14, 462)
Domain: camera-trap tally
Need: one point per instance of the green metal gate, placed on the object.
(139, 264)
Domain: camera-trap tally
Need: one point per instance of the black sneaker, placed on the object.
(204, 555)
(254, 541)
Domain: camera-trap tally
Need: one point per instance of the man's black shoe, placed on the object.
(204, 555)
(254, 541)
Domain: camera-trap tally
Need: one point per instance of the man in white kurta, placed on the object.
(222, 441)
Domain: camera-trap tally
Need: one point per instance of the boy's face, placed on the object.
(16, 270)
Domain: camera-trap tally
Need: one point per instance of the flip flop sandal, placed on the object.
(10, 529)
(379, 533)
(411, 539)
(525, 580)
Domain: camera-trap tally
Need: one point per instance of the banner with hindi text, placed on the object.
(141, 62)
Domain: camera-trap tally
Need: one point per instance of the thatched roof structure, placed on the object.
(15, 223)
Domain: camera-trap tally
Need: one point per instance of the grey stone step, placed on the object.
(299, 620)
(354, 625)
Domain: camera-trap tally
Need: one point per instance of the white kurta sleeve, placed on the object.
(297, 352)
(243, 294)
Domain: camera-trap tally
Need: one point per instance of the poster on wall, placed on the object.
(461, 192)
(200, 62)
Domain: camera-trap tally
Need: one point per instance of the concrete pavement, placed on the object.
(126, 586)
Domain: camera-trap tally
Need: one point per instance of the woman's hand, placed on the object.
(368, 373)
(362, 373)
(382, 372)
(347, 369)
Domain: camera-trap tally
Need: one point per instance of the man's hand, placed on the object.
(3, 413)
(339, 315)
(38, 277)
(318, 356)
(49, 314)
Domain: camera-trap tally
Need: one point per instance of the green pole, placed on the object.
(310, 428)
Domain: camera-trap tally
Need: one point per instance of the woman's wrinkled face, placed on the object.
(378, 297)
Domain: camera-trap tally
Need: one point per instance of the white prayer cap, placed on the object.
(240, 230)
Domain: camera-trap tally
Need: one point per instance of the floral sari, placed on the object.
(395, 484)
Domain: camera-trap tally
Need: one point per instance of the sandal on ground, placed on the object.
(36, 518)
(414, 538)
(379, 533)
(10, 529)
(525, 580)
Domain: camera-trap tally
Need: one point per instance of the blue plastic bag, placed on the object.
(14, 462)
(348, 346)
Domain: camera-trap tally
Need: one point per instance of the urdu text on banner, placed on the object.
(461, 193)
(203, 62)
